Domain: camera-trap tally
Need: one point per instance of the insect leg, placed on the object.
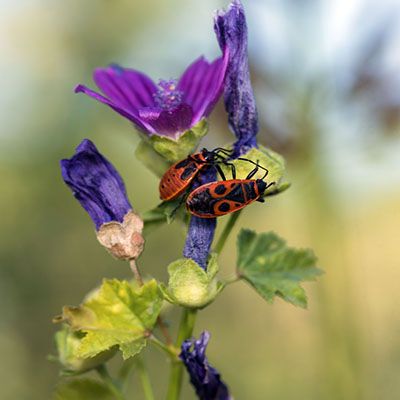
(253, 172)
(219, 170)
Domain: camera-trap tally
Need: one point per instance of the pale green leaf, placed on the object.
(119, 313)
(131, 349)
(82, 389)
(273, 269)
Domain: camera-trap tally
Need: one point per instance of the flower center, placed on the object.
(168, 96)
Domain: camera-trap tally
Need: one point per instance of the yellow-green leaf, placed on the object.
(119, 313)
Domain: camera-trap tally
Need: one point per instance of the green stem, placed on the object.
(186, 327)
(226, 232)
(171, 350)
(109, 381)
(144, 379)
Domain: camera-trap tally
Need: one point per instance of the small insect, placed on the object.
(181, 174)
(219, 198)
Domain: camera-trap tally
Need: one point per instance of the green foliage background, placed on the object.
(346, 346)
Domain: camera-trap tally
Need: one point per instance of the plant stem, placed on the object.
(185, 331)
(171, 350)
(136, 273)
(226, 232)
(109, 381)
(144, 378)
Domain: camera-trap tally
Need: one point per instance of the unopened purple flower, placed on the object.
(231, 30)
(167, 109)
(96, 184)
(205, 379)
(201, 230)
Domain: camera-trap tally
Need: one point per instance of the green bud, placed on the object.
(67, 343)
(189, 285)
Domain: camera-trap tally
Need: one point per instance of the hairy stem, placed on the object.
(185, 331)
(136, 273)
(109, 381)
(227, 231)
(144, 379)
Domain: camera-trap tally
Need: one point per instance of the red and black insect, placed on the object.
(219, 198)
(181, 174)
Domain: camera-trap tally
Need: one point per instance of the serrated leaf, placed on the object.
(82, 389)
(131, 349)
(117, 314)
(190, 285)
(273, 268)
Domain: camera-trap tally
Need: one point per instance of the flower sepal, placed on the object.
(67, 344)
(190, 285)
(123, 240)
(173, 150)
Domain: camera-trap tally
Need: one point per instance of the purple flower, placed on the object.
(201, 230)
(167, 109)
(205, 379)
(96, 184)
(231, 30)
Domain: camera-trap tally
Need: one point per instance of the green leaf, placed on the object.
(267, 158)
(131, 349)
(189, 285)
(165, 212)
(82, 389)
(175, 150)
(67, 343)
(272, 268)
(119, 313)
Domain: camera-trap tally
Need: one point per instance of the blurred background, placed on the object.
(327, 83)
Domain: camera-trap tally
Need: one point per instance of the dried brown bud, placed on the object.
(123, 240)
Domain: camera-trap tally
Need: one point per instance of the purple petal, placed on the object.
(202, 85)
(231, 30)
(130, 114)
(96, 184)
(205, 379)
(168, 123)
(201, 230)
(127, 88)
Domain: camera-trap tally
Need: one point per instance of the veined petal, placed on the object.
(126, 87)
(96, 184)
(202, 85)
(168, 122)
(130, 114)
(231, 30)
(205, 379)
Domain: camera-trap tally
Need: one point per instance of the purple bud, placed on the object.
(231, 30)
(205, 379)
(201, 230)
(96, 184)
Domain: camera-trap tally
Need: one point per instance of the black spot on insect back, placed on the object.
(220, 189)
(224, 207)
